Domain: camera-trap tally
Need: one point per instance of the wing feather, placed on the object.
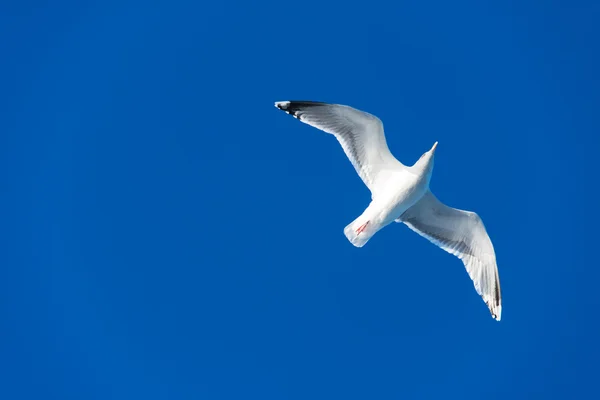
(462, 234)
(359, 133)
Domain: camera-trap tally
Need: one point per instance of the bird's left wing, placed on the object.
(463, 234)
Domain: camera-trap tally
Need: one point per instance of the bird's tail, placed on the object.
(360, 231)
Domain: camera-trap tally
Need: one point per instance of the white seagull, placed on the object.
(401, 193)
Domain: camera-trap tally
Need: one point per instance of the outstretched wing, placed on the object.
(360, 134)
(463, 234)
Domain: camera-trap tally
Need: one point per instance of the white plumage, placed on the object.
(401, 193)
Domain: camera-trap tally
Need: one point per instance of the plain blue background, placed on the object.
(168, 234)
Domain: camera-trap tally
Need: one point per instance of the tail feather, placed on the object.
(360, 231)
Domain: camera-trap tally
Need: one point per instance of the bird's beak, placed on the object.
(434, 146)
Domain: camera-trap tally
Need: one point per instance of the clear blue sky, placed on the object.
(164, 237)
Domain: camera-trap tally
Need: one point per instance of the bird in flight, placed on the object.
(401, 193)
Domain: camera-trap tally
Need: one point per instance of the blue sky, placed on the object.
(163, 236)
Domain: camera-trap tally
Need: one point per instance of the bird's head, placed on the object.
(425, 163)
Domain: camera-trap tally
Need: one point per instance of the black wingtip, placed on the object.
(293, 107)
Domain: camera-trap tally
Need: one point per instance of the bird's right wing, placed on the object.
(463, 234)
(360, 134)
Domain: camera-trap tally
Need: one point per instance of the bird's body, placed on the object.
(402, 190)
(401, 193)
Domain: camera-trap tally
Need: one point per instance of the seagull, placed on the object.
(401, 193)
